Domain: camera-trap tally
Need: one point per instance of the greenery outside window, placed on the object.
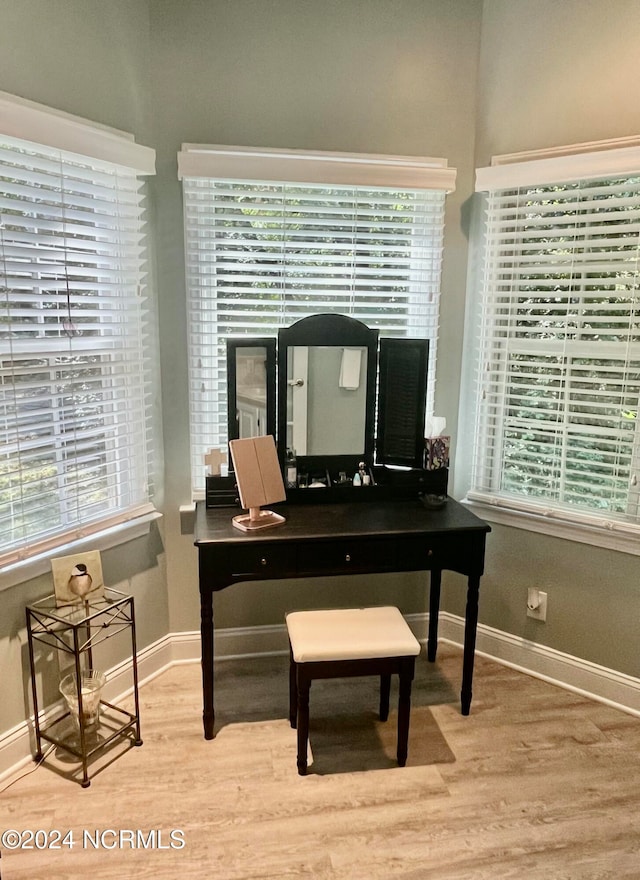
(73, 400)
(559, 377)
(275, 236)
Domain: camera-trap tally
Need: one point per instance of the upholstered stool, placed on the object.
(340, 643)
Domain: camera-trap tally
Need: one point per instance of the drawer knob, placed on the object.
(263, 561)
(347, 557)
(429, 552)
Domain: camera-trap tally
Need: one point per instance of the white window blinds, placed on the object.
(265, 250)
(559, 374)
(73, 412)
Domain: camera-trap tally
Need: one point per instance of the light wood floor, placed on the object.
(535, 783)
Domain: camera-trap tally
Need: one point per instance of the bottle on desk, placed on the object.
(291, 469)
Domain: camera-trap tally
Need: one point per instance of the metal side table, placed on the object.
(78, 630)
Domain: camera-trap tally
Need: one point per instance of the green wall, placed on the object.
(554, 73)
(359, 76)
(88, 58)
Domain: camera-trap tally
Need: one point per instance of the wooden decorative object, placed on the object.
(213, 459)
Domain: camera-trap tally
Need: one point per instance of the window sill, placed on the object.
(27, 569)
(609, 538)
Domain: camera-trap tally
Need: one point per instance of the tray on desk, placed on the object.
(388, 485)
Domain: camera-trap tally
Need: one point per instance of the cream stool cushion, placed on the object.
(350, 634)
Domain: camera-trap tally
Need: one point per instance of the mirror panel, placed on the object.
(251, 387)
(326, 388)
(402, 399)
(326, 399)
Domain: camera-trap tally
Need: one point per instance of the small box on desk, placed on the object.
(434, 482)
(409, 484)
(221, 491)
(436, 452)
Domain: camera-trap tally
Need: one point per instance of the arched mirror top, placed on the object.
(330, 329)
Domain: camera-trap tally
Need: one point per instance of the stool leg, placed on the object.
(404, 708)
(303, 685)
(293, 694)
(385, 690)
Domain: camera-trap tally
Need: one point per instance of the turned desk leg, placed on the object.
(470, 626)
(206, 635)
(434, 609)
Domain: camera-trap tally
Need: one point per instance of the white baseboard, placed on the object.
(17, 744)
(580, 676)
(596, 682)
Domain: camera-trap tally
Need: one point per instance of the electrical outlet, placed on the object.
(536, 604)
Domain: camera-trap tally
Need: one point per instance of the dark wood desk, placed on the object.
(339, 539)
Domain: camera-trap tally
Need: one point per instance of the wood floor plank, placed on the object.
(535, 784)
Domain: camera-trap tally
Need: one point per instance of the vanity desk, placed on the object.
(348, 405)
(342, 539)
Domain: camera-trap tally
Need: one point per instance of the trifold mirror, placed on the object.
(333, 377)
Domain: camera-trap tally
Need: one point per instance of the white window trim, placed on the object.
(105, 539)
(28, 121)
(46, 127)
(609, 537)
(569, 163)
(564, 164)
(306, 166)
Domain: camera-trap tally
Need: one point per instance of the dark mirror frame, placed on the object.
(269, 344)
(336, 331)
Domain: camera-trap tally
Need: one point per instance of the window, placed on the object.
(73, 410)
(559, 388)
(274, 237)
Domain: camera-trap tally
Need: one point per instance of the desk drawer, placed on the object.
(425, 552)
(268, 561)
(346, 556)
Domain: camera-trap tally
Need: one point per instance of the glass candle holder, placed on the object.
(91, 684)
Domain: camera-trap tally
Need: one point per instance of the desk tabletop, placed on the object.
(328, 521)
